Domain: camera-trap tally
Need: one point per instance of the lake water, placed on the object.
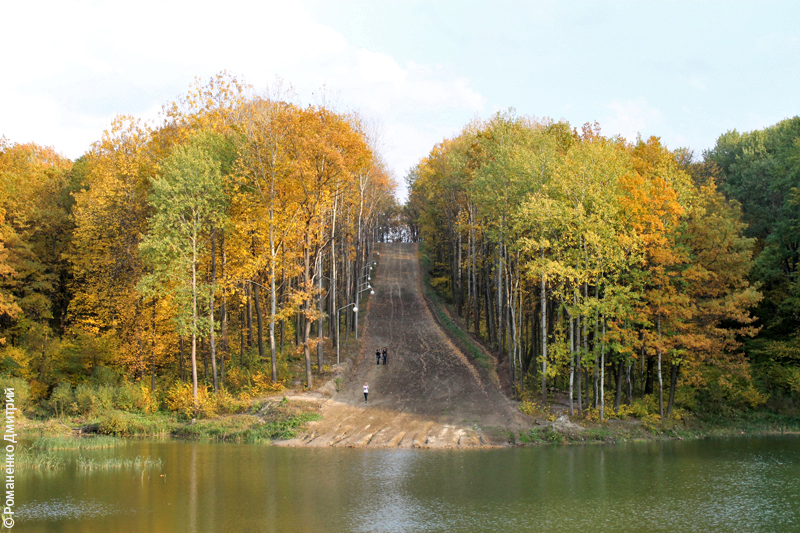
(711, 485)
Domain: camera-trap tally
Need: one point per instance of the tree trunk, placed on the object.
(618, 393)
(153, 365)
(660, 381)
(224, 314)
(249, 309)
(648, 386)
(273, 310)
(260, 324)
(180, 363)
(578, 367)
(602, 372)
(321, 309)
(543, 334)
(194, 324)
(499, 285)
(673, 383)
(571, 364)
(307, 308)
(205, 360)
(629, 383)
(211, 333)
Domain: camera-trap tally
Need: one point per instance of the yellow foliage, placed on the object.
(262, 382)
(651, 422)
(180, 399)
(148, 402)
(535, 410)
(237, 379)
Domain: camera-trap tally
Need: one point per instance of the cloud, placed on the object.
(78, 63)
(631, 117)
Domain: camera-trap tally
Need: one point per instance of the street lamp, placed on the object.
(358, 295)
(338, 327)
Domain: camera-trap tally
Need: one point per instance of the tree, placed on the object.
(188, 202)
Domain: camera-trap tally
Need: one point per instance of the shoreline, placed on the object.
(277, 419)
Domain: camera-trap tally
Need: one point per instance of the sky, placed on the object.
(417, 71)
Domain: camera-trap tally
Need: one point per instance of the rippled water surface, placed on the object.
(710, 485)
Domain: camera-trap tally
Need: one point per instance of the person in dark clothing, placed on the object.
(378, 356)
(384, 355)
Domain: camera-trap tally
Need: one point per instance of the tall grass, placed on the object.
(437, 303)
(48, 460)
(76, 443)
(139, 462)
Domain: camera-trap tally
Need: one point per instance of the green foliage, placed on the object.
(76, 443)
(48, 460)
(518, 215)
(62, 398)
(22, 391)
(279, 422)
(93, 399)
(84, 354)
(761, 170)
(137, 463)
(727, 395)
(121, 424)
(189, 201)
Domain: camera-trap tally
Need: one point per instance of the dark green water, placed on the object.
(711, 485)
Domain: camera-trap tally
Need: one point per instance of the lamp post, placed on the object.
(358, 296)
(338, 328)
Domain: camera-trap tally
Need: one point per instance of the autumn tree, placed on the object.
(189, 203)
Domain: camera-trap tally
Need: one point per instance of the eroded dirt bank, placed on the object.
(428, 395)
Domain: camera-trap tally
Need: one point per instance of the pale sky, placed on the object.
(684, 71)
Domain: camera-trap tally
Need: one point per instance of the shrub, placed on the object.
(14, 361)
(262, 382)
(103, 375)
(237, 379)
(22, 391)
(116, 423)
(793, 379)
(94, 399)
(225, 402)
(180, 400)
(148, 398)
(62, 398)
(127, 397)
(644, 406)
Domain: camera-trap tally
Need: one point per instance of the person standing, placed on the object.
(384, 355)
(366, 391)
(378, 356)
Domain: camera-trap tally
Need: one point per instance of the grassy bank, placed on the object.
(457, 334)
(751, 424)
(265, 420)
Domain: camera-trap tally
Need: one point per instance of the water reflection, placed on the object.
(736, 485)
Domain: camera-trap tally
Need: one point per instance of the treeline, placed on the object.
(610, 269)
(761, 171)
(234, 230)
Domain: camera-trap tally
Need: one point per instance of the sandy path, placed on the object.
(428, 395)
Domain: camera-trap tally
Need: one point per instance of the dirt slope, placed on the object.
(428, 395)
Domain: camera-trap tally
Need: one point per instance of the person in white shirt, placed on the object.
(366, 391)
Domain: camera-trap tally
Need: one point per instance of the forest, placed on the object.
(619, 271)
(176, 264)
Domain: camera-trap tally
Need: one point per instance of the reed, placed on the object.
(118, 463)
(77, 443)
(48, 460)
